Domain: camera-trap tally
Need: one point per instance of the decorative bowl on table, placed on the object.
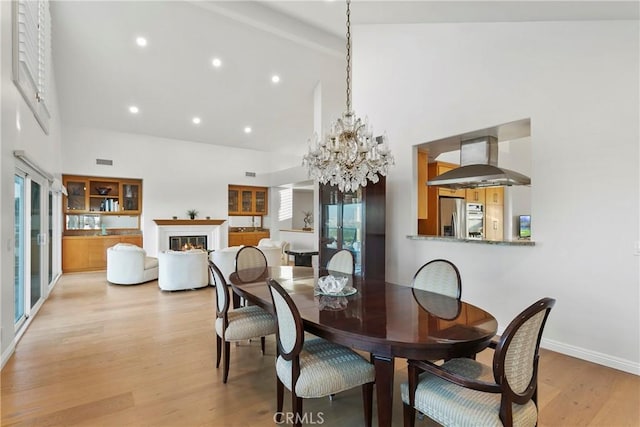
(103, 191)
(334, 286)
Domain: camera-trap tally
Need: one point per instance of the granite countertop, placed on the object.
(482, 242)
(248, 230)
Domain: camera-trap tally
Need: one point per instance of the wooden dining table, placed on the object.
(387, 320)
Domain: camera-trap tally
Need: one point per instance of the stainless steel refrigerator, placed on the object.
(452, 217)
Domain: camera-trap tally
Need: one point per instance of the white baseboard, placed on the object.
(7, 353)
(592, 356)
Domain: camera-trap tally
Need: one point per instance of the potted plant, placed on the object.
(192, 213)
(308, 219)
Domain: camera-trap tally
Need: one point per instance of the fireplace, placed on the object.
(208, 233)
(183, 243)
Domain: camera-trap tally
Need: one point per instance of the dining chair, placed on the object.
(315, 367)
(464, 392)
(238, 324)
(250, 257)
(342, 261)
(439, 276)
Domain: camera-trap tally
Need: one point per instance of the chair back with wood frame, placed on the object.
(457, 392)
(240, 324)
(439, 276)
(342, 261)
(315, 367)
(250, 257)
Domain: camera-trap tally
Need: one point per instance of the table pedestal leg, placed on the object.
(384, 389)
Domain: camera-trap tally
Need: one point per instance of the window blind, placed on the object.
(32, 56)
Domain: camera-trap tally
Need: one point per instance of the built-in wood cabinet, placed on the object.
(475, 195)
(423, 199)
(430, 225)
(355, 221)
(245, 200)
(247, 238)
(494, 195)
(87, 194)
(88, 253)
(494, 213)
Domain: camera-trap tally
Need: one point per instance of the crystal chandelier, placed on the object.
(349, 155)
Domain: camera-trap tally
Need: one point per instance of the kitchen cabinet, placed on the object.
(108, 196)
(89, 253)
(247, 238)
(244, 200)
(354, 221)
(423, 160)
(494, 195)
(431, 225)
(494, 213)
(475, 195)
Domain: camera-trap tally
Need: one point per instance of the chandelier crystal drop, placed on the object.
(348, 156)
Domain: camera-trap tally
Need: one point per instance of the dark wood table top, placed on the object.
(385, 319)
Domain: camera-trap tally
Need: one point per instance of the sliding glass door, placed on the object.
(19, 251)
(31, 247)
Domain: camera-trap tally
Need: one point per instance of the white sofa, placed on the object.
(183, 270)
(128, 264)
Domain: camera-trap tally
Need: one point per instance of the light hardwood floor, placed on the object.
(107, 355)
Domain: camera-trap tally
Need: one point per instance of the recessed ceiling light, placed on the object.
(141, 41)
(216, 62)
(196, 120)
(133, 109)
(275, 78)
(247, 129)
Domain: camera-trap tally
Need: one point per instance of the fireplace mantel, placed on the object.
(215, 229)
(189, 221)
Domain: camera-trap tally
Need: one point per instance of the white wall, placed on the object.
(303, 201)
(19, 131)
(177, 175)
(578, 82)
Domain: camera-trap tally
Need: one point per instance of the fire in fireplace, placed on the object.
(184, 243)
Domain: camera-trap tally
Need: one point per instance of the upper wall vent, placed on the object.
(106, 162)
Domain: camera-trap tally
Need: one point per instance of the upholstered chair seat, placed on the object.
(325, 368)
(246, 322)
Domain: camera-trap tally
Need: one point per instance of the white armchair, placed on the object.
(265, 244)
(225, 260)
(183, 270)
(129, 264)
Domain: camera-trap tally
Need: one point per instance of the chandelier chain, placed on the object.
(348, 55)
(349, 155)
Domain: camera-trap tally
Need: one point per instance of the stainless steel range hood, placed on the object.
(479, 168)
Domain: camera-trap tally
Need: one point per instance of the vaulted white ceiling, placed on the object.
(100, 70)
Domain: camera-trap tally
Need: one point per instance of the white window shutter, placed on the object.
(32, 56)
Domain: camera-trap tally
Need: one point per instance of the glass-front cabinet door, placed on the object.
(234, 201)
(330, 235)
(247, 202)
(131, 197)
(76, 199)
(261, 202)
(352, 225)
